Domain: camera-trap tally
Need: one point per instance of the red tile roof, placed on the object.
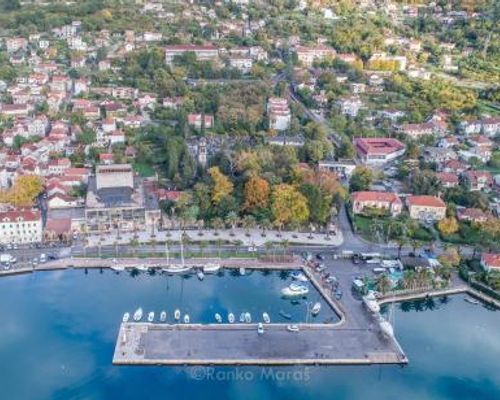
(378, 145)
(491, 260)
(375, 196)
(426, 201)
(24, 215)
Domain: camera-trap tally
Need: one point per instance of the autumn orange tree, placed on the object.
(256, 192)
(24, 191)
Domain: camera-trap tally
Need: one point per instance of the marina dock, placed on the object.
(240, 344)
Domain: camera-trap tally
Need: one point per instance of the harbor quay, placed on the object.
(356, 339)
(239, 344)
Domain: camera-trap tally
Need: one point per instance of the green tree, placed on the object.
(361, 179)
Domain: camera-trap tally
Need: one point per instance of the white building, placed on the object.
(279, 113)
(20, 227)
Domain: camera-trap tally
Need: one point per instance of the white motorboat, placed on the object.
(177, 269)
(266, 318)
(295, 290)
(163, 316)
(292, 328)
(299, 276)
(126, 317)
(117, 268)
(186, 319)
(138, 314)
(371, 302)
(242, 271)
(260, 328)
(141, 267)
(230, 317)
(218, 318)
(200, 275)
(248, 318)
(211, 268)
(242, 317)
(316, 308)
(177, 315)
(151, 316)
(472, 301)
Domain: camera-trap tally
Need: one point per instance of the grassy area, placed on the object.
(364, 227)
(144, 170)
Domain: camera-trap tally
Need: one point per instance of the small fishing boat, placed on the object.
(316, 308)
(151, 316)
(242, 317)
(177, 315)
(248, 318)
(211, 268)
(472, 301)
(138, 314)
(163, 316)
(299, 276)
(218, 318)
(266, 318)
(285, 314)
(186, 319)
(242, 271)
(200, 275)
(126, 317)
(295, 290)
(230, 318)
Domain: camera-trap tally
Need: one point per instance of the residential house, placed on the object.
(364, 202)
(279, 113)
(490, 262)
(426, 208)
(478, 180)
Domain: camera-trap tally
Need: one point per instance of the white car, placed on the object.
(260, 328)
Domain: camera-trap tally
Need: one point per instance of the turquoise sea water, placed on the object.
(58, 333)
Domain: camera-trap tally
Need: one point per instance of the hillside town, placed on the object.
(237, 121)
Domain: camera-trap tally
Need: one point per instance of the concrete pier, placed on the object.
(240, 344)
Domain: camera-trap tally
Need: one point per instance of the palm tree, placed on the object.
(217, 223)
(409, 279)
(248, 223)
(383, 284)
(401, 241)
(265, 224)
(232, 220)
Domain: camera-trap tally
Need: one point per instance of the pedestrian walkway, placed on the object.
(250, 238)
